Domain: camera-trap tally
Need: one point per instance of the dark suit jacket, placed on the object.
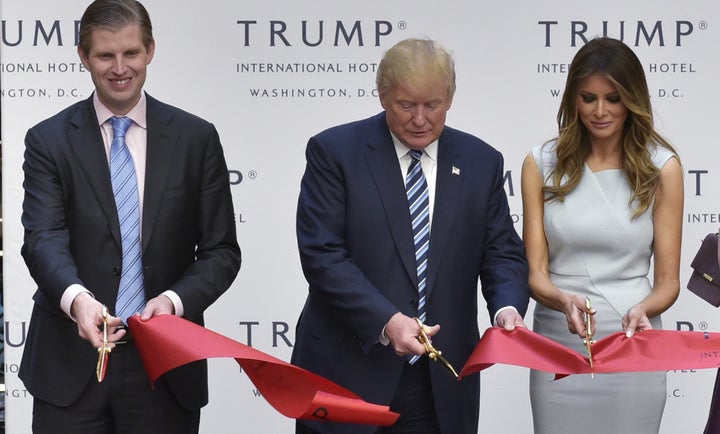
(72, 236)
(357, 253)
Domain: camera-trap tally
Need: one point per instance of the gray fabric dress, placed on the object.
(596, 250)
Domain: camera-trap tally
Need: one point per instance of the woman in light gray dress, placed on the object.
(599, 202)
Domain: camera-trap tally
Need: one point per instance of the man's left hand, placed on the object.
(509, 319)
(160, 305)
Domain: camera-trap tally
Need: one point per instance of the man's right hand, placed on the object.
(88, 314)
(402, 331)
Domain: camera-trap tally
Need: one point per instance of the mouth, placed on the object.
(602, 125)
(119, 82)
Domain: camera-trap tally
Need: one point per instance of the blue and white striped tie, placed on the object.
(419, 201)
(131, 294)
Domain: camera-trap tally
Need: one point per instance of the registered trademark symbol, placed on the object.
(402, 25)
(703, 325)
(252, 174)
(703, 25)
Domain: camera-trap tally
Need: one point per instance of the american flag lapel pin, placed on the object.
(455, 171)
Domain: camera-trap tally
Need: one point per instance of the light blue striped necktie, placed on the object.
(419, 201)
(131, 293)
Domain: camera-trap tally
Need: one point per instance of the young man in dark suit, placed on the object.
(176, 213)
(398, 217)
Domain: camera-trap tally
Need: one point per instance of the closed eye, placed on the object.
(588, 97)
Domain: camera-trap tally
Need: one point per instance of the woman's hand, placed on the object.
(575, 310)
(635, 320)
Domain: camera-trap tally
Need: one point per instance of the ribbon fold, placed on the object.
(167, 341)
(650, 350)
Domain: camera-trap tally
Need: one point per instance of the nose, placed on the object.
(118, 66)
(418, 115)
(600, 108)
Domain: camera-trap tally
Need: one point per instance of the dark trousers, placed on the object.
(124, 403)
(414, 401)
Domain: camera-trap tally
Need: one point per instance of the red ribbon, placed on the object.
(650, 350)
(167, 341)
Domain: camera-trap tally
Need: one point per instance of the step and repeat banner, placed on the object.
(271, 74)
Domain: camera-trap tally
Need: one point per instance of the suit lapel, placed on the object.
(447, 201)
(87, 143)
(161, 139)
(385, 170)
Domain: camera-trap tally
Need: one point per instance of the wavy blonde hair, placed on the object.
(616, 62)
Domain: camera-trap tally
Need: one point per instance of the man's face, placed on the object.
(118, 62)
(416, 116)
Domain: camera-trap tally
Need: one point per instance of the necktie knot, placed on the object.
(416, 154)
(120, 125)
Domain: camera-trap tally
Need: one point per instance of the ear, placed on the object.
(150, 51)
(450, 101)
(83, 57)
(383, 101)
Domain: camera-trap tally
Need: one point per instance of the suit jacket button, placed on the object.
(413, 304)
(117, 271)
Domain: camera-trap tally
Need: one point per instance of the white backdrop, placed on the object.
(220, 59)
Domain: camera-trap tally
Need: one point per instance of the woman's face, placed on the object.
(601, 110)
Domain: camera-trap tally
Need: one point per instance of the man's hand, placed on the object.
(509, 319)
(159, 305)
(88, 314)
(402, 331)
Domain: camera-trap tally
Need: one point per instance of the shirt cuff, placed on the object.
(68, 297)
(500, 310)
(383, 339)
(177, 303)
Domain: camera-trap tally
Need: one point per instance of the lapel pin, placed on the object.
(455, 171)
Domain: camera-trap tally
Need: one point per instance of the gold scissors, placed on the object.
(589, 332)
(432, 352)
(104, 350)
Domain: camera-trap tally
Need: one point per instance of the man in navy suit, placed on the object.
(73, 246)
(355, 237)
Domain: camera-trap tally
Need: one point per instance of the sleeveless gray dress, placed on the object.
(596, 250)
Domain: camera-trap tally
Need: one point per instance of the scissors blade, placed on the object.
(433, 352)
(589, 332)
(103, 351)
(443, 362)
(102, 363)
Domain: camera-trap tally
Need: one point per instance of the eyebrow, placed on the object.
(594, 94)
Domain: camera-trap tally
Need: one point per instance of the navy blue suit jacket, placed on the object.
(72, 236)
(357, 253)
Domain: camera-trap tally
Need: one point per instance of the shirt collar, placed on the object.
(402, 150)
(137, 113)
